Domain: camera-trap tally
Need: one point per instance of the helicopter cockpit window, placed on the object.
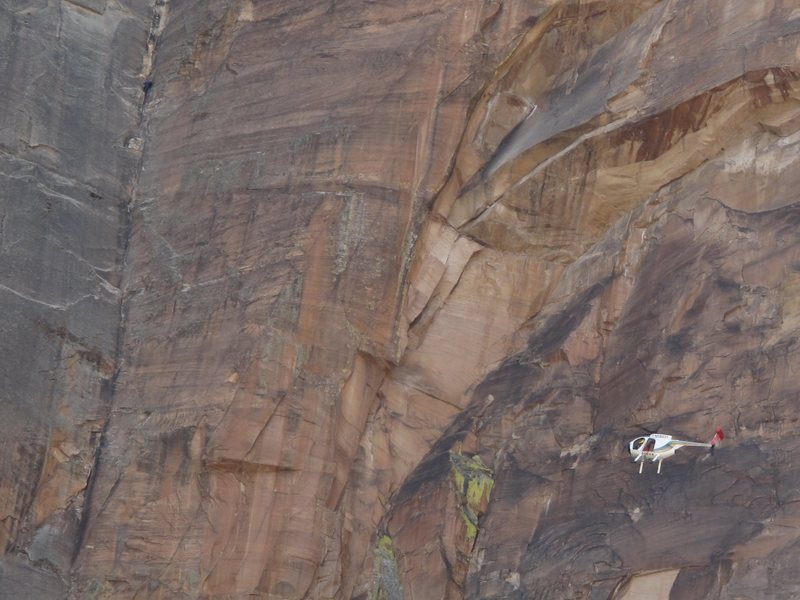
(637, 443)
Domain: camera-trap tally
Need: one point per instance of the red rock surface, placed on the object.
(389, 286)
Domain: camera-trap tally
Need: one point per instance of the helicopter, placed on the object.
(658, 446)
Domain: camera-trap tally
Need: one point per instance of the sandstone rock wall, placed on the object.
(71, 98)
(366, 298)
(657, 184)
(292, 157)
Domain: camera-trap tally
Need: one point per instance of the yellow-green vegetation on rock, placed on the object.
(386, 547)
(474, 482)
(386, 585)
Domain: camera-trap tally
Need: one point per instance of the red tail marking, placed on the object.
(718, 437)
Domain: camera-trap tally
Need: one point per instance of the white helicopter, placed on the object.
(658, 446)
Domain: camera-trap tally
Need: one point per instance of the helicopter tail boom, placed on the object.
(718, 437)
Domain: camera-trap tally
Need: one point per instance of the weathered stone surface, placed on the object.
(70, 96)
(665, 203)
(292, 157)
(366, 298)
(592, 375)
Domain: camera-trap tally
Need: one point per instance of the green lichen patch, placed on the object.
(386, 547)
(386, 585)
(471, 521)
(473, 482)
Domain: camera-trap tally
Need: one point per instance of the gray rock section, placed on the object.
(70, 99)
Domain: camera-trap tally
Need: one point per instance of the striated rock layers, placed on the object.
(70, 103)
(362, 300)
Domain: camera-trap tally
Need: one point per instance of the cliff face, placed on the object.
(658, 186)
(71, 98)
(363, 300)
